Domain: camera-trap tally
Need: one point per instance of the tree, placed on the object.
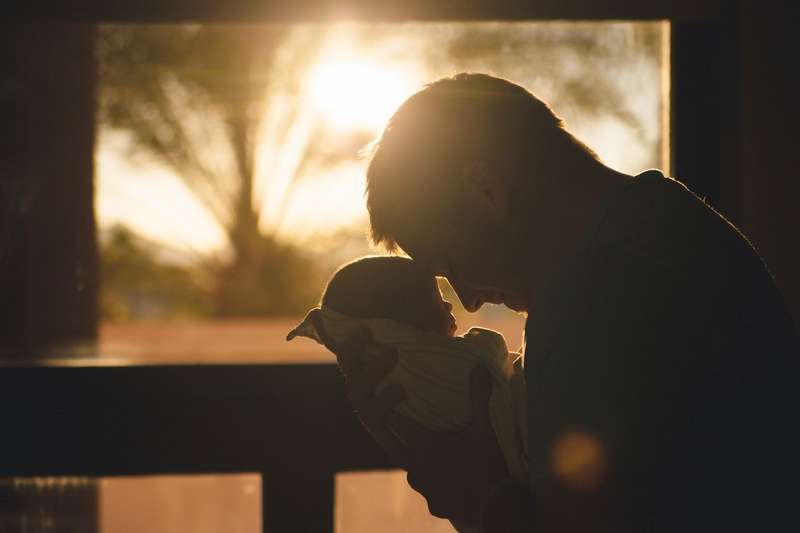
(200, 99)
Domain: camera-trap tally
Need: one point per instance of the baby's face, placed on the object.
(436, 314)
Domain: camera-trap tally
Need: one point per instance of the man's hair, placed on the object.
(379, 287)
(451, 122)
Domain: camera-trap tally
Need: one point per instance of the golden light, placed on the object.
(357, 92)
(579, 460)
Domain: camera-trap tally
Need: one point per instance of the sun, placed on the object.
(354, 92)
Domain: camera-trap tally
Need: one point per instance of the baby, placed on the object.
(403, 308)
(392, 288)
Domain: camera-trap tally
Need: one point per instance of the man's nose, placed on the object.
(448, 306)
(472, 303)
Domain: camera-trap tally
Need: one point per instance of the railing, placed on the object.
(291, 423)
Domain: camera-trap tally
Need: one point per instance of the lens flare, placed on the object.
(579, 460)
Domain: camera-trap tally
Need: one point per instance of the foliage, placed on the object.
(279, 280)
(585, 69)
(137, 285)
(195, 98)
(189, 96)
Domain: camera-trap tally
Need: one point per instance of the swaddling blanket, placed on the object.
(435, 369)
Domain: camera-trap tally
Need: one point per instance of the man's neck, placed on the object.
(564, 215)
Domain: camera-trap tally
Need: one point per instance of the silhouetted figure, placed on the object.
(659, 354)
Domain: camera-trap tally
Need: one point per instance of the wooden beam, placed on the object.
(135, 420)
(210, 11)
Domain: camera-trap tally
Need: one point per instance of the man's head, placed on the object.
(390, 287)
(460, 180)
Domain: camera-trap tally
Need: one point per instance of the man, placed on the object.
(657, 349)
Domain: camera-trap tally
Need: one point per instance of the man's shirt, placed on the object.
(666, 346)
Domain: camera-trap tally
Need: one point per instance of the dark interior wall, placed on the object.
(696, 89)
(48, 254)
(768, 154)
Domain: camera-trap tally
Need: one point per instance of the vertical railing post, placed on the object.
(297, 501)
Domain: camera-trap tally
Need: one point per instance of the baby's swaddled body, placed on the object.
(435, 372)
(401, 305)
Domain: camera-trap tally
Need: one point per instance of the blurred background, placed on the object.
(229, 187)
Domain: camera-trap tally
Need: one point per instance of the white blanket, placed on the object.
(434, 370)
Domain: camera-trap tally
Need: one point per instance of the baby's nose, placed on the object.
(448, 306)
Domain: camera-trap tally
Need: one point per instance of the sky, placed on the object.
(351, 86)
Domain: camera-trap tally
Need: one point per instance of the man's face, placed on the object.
(480, 268)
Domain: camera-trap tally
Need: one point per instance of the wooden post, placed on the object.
(297, 501)
(48, 251)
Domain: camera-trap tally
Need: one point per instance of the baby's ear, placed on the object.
(483, 192)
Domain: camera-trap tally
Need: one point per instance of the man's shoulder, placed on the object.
(659, 207)
(656, 223)
(661, 259)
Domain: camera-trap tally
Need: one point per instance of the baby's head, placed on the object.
(390, 287)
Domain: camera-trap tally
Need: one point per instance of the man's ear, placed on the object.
(484, 192)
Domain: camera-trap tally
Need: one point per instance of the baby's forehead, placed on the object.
(403, 287)
(416, 280)
(384, 281)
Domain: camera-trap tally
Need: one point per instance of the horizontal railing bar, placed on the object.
(135, 420)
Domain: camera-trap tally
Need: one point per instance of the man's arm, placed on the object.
(620, 379)
(509, 507)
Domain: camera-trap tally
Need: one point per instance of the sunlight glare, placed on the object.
(353, 92)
